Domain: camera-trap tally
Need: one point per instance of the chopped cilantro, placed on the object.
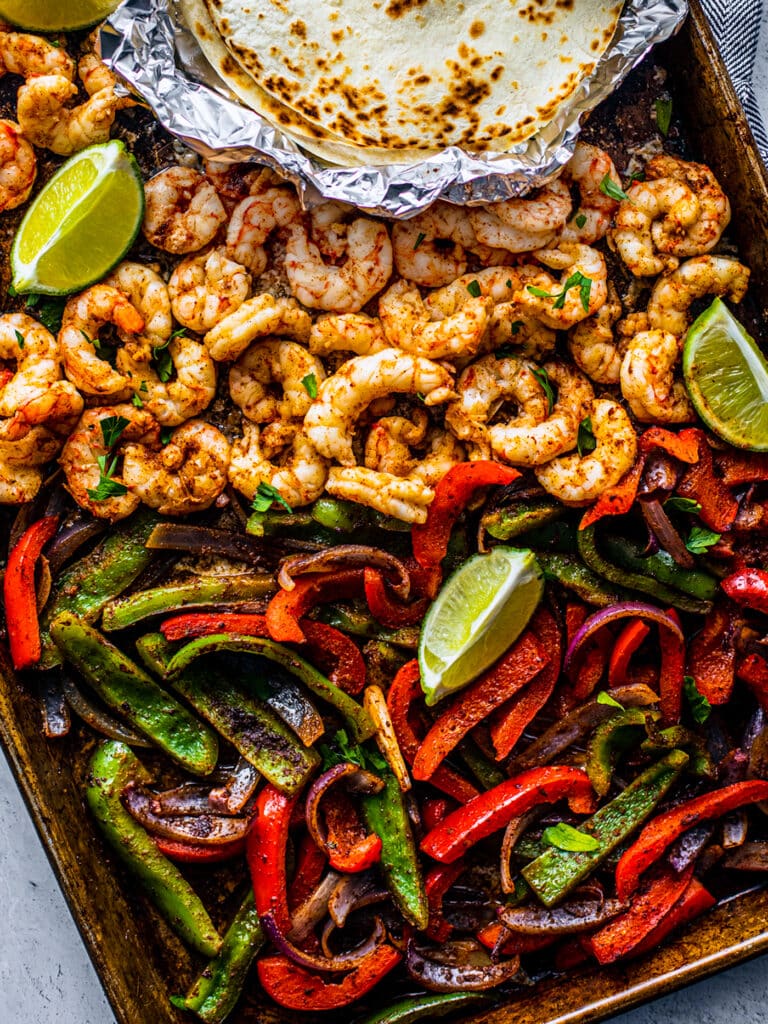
(265, 495)
(542, 377)
(609, 188)
(697, 702)
(310, 385)
(663, 109)
(566, 837)
(474, 289)
(585, 441)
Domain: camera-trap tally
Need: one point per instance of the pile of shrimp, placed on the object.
(362, 358)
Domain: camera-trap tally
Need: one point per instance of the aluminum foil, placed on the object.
(160, 59)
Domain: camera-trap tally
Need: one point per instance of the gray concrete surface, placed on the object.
(47, 978)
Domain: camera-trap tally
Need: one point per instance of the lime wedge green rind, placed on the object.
(55, 16)
(81, 224)
(479, 613)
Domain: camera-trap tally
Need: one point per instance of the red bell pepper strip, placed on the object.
(437, 882)
(332, 650)
(509, 722)
(575, 616)
(753, 670)
(350, 847)
(748, 587)
(494, 809)
(188, 853)
(671, 673)
(571, 954)
(627, 642)
(265, 850)
(694, 901)
(738, 468)
(621, 936)
(434, 809)
(515, 944)
(405, 689)
(592, 666)
(700, 483)
(712, 656)
(662, 831)
(288, 606)
(683, 446)
(310, 862)
(517, 667)
(452, 495)
(385, 609)
(617, 500)
(299, 989)
(20, 595)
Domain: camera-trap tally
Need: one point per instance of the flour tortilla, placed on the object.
(418, 75)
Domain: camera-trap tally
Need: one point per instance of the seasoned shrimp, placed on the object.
(715, 210)
(253, 221)
(147, 292)
(233, 182)
(274, 362)
(342, 397)
(178, 398)
(27, 55)
(206, 287)
(183, 212)
(35, 393)
(579, 480)
(389, 442)
(407, 325)
(429, 249)
(85, 453)
(256, 318)
(184, 476)
(673, 294)
(400, 497)
(592, 344)
(84, 316)
(588, 168)
(18, 166)
(653, 212)
(24, 451)
(521, 225)
(567, 301)
(647, 379)
(346, 332)
(298, 475)
(329, 228)
(345, 288)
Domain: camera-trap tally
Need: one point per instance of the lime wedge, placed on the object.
(55, 16)
(81, 224)
(476, 617)
(727, 378)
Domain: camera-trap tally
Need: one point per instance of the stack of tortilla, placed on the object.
(360, 82)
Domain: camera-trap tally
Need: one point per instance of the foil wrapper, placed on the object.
(160, 60)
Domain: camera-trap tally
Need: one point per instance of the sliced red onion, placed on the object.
(353, 892)
(290, 702)
(345, 556)
(313, 909)
(337, 962)
(659, 522)
(355, 778)
(734, 827)
(70, 538)
(56, 720)
(687, 848)
(752, 856)
(512, 834)
(98, 719)
(567, 919)
(202, 830)
(616, 612)
(660, 476)
(439, 976)
(240, 547)
(237, 790)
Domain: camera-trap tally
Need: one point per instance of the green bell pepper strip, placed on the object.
(200, 592)
(623, 577)
(506, 523)
(84, 587)
(386, 815)
(127, 689)
(361, 623)
(409, 1010)
(252, 729)
(214, 994)
(557, 872)
(701, 762)
(609, 738)
(662, 567)
(571, 572)
(486, 772)
(357, 718)
(112, 767)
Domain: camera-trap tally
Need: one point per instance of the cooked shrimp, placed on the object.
(266, 364)
(345, 288)
(186, 475)
(653, 212)
(395, 496)
(578, 480)
(407, 325)
(528, 336)
(233, 182)
(588, 168)
(592, 344)
(34, 393)
(298, 476)
(24, 451)
(187, 393)
(85, 459)
(27, 55)
(329, 228)
(18, 166)
(568, 300)
(389, 442)
(84, 316)
(253, 221)
(206, 287)
(647, 379)
(429, 249)
(342, 397)
(346, 332)
(523, 224)
(673, 294)
(715, 210)
(183, 212)
(256, 318)
(147, 292)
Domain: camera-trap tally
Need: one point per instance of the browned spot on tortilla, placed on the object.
(299, 28)
(397, 8)
(476, 29)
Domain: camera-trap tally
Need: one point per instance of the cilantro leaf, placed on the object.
(566, 837)
(91, 341)
(161, 357)
(505, 352)
(165, 435)
(580, 220)
(515, 327)
(106, 487)
(340, 750)
(111, 429)
(49, 310)
(180, 332)
(136, 400)
(683, 505)
(576, 280)
(605, 698)
(20, 339)
(585, 441)
(474, 289)
(697, 702)
(663, 109)
(419, 239)
(542, 377)
(700, 539)
(265, 495)
(609, 188)
(310, 385)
